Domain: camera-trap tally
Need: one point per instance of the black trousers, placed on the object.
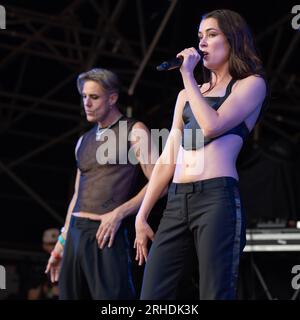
(206, 216)
(91, 273)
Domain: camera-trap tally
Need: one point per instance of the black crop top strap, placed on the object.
(230, 85)
(228, 91)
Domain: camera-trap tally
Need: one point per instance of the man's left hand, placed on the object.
(110, 223)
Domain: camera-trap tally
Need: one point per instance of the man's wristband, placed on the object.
(55, 255)
(61, 240)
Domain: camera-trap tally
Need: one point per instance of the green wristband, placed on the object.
(61, 240)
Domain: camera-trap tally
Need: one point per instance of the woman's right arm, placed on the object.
(160, 177)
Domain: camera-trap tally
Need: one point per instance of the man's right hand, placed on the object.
(143, 234)
(54, 262)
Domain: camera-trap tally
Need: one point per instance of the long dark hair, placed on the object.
(243, 57)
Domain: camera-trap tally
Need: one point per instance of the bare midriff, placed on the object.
(216, 159)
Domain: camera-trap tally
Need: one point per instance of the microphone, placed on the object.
(173, 63)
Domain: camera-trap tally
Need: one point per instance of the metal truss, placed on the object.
(283, 74)
(42, 53)
(72, 44)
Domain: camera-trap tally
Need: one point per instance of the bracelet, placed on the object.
(61, 240)
(55, 255)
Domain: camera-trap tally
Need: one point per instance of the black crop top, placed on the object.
(193, 138)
